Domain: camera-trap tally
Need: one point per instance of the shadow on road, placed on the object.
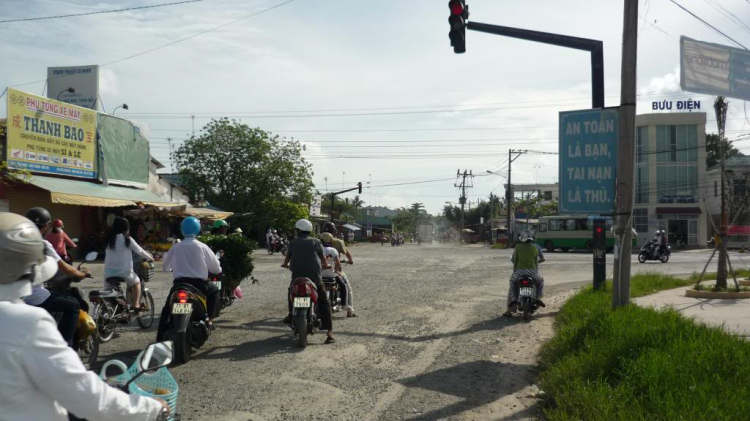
(279, 344)
(478, 383)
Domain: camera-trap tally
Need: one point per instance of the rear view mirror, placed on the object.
(91, 256)
(157, 355)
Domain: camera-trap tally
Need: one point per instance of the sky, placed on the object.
(371, 88)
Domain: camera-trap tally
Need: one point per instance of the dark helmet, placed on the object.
(329, 227)
(39, 216)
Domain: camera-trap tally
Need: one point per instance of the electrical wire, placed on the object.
(707, 24)
(99, 12)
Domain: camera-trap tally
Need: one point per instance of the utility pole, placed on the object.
(625, 156)
(721, 106)
(509, 192)
(462, 200)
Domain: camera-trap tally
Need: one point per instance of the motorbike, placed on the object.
(305, 320)
(278, 246)
(148, 376)
(110, 306)
(187, 323)
(527, 296)
(86, 340)
(334, 293)
(650, 251)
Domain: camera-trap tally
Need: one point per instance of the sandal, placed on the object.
(330, 340)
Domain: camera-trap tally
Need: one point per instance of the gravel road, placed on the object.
(429, 343)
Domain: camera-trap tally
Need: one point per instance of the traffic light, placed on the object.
(457, 21)
(360, 187)
(600, 234)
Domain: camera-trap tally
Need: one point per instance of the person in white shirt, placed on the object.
(118, 262)
(41, 378)
(190, 262)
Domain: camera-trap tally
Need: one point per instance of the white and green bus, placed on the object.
(567, 232)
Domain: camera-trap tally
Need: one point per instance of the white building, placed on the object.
(547, 192)
(737, 170)
(670, 170)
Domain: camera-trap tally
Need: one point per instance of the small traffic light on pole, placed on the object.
(360, 187)
(457, 21)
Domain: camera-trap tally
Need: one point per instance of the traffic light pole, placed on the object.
(334, 194)
(596, 48)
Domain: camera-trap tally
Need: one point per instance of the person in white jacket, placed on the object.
(118, 262)
(41, 377)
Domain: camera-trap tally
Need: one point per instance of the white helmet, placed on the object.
(657, 232)
(22, 253)
(304, 225)
(526, 236)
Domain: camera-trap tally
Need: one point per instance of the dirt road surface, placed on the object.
(429, 342)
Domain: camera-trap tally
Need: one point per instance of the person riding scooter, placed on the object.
(341, 248)
(60, 241)
(526, 259)
(191, 262)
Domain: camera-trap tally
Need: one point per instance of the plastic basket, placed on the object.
(146, 271)
(147, 383)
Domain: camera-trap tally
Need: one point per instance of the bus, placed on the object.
(567, 232)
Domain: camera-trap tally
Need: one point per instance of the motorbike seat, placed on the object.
(107, 293)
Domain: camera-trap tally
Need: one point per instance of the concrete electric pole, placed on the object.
(626, 157)
(462, 200)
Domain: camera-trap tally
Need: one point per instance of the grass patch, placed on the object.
(741, 273)
(498, 246)
(641, 364)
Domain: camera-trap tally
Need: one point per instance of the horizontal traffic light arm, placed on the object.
(596, 48)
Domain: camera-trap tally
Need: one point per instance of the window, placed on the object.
(641, 144)
(548, 195)
(555, 224)
(570, 224)
(640, 220)
(542, 227)
(673, 143)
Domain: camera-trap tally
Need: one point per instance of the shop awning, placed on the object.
(351, 227)
(83, 193)
(202, 213)
(672, 211)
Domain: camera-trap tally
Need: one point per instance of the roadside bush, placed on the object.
(637, 363)
(237, 262)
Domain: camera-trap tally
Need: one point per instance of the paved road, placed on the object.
(429, 342)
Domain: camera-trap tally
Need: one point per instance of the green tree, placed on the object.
(535, 207)
(713, 151)
(247, 171)
(342, 209)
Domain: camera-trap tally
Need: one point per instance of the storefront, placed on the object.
(680, 224)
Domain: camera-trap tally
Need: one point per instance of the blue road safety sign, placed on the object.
(588, 160)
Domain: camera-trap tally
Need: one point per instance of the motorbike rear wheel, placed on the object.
(88, 349)
(300, 320)
(105, 323)
(664, 258)
(642, 257)
(182, 349)
(526, 306)
(284, 250)
(146, 318)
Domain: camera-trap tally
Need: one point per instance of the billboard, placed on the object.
(83, 79)
(125, 151)
(48, 136)
(588, 160)
(714, 69)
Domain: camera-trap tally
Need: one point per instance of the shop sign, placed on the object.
(83, 79)
(588, 160)
(48, 136)
(666, 105)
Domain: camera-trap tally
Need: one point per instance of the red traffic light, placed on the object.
(599, 230)
(456, 6)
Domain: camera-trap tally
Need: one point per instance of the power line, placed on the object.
(99, 12)
(707, 24)
(176, 41)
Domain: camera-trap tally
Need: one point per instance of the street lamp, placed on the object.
(123, 106)
(69, 90)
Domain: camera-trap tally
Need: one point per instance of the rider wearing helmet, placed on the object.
(220, 227)
(60, 240)
(341, 248)
(191, 262)
(55, 301)
(306, 259)
(526, 258)
(41, 378)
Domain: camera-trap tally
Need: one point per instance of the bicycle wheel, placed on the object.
(146, 317)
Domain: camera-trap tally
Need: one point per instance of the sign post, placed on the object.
(588, 166)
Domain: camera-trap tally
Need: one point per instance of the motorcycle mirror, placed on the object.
(157, 355)
(91, 256)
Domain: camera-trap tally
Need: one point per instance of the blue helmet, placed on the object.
(191, 226)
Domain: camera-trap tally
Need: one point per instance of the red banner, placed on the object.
(739, 230)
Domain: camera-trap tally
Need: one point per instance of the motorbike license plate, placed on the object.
(300, 302)
(527, 292)
(217, 283)
(182, 308)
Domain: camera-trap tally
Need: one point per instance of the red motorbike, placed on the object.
(305, 320)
